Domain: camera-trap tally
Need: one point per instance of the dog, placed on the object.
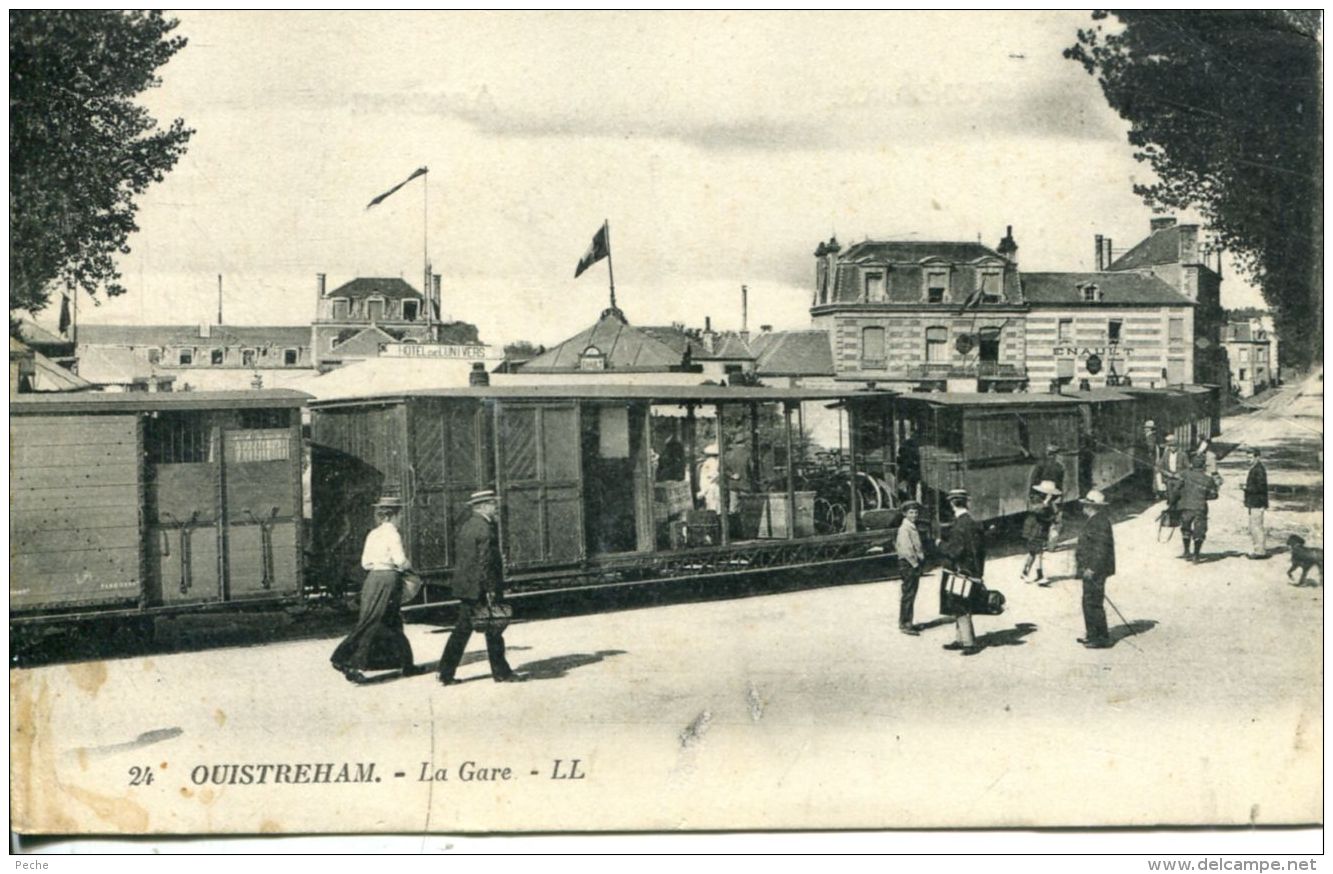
(1304, 557)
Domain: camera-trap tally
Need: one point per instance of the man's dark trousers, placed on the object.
(1094, 611)
(457, 643)
(911, 577)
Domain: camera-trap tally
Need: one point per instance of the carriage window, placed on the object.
(263, 418)
(177, 438)
(937, 349)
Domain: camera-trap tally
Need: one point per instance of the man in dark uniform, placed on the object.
(477, 579)
(1197, 488)
(1094, 557)
(1256, 503)
(1049, 469)
(965, 551)
(909, 467)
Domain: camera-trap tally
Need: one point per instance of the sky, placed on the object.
(721, 147)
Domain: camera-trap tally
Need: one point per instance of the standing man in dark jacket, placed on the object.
(477, 579)
(1094, 557)
(1197, 488)
(1256, 502)
(965, 551)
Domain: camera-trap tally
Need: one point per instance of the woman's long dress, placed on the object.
(377, 642)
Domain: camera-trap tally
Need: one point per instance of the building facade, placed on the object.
(1251, 360)
(207, 357)
(961, 316)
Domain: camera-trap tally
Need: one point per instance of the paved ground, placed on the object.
(799, 709)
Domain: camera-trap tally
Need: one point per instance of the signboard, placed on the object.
(1111, 351)
(434, 350)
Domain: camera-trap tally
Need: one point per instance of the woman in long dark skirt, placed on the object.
(378, 642)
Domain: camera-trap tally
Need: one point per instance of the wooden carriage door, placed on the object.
(446, 469)
(539, 476)
(263, 507)
(183, 503)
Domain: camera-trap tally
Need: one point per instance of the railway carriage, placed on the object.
(134, 505)
(605, 484)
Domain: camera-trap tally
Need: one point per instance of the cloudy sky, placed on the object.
(721, 147)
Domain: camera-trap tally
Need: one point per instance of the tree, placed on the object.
(1225, 106)
(80, 149)
(522, 350)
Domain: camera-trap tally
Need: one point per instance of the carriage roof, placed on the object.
(137, 402)
(665, 394)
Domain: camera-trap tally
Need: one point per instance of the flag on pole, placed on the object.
(599, 249)
(420, 171)
(64, 313)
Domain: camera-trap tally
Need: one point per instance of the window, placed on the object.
(410, 310)
(1091, 294)
(1176, 329)
(215, 357)
(990, 287)
(990, 344)
(291, 357)
(177, 438)
(937, 345)
(1066, 331)
(1245, 355)
(875, 286)
(1113, 330)
(247, 358)
(154, 356)
(375, 309)
(340, 308)
(937, 286)
(872, 348)
(592, 359)
(1242, 373)
(186, 357)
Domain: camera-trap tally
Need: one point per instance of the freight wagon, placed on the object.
(136, 504)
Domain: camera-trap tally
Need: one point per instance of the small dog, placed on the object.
(1304, 557)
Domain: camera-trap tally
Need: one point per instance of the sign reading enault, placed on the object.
(432, 350)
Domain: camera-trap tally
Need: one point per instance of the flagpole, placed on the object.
(426, 292)
(610, 270)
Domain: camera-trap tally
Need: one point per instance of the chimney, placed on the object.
(1107, 258)
(765, 329)
(709, 337)
(319, 292)
(205, 330)
(1099, 251)
(1161, 223)
(478, 374)
(745, 311)
(1008, 248)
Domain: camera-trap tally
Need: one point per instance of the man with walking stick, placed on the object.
(1094, 558)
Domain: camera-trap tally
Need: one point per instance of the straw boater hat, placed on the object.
(1047, 487)
(389, 502)
(482, 497)
(1095, 498)
(710, 449)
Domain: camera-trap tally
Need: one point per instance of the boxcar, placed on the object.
(607, 484)
(124, 504)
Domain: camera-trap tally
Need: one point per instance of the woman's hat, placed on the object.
(389, 502)
(710, 449)
(1095, 498)
(909, 505)
(482, 497)
(1047, 487)
(1150, 424)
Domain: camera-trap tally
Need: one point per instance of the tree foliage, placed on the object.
(522, 349)
(80, 148)
(1225, 106)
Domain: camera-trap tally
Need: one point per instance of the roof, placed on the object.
(113, 365)
(188, 335)
(1242, 332)
(667, 394)
(726, 345)
(1162, 246)
(990, 399)
(35, 335)
(132, 402)
(794, 353)
(389, 287)
(917, 250)
(625, 348)
(1126, 289)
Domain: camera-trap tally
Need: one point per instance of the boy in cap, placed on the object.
(911, 560)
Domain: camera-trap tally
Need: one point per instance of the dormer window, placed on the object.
(375, 309)
(937, 286)
(341, 310)
(874, 286)
(592, 359)
(411, 309)
(990, 281)
(1091, 293)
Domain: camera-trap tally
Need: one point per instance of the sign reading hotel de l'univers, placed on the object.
(431, 350)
